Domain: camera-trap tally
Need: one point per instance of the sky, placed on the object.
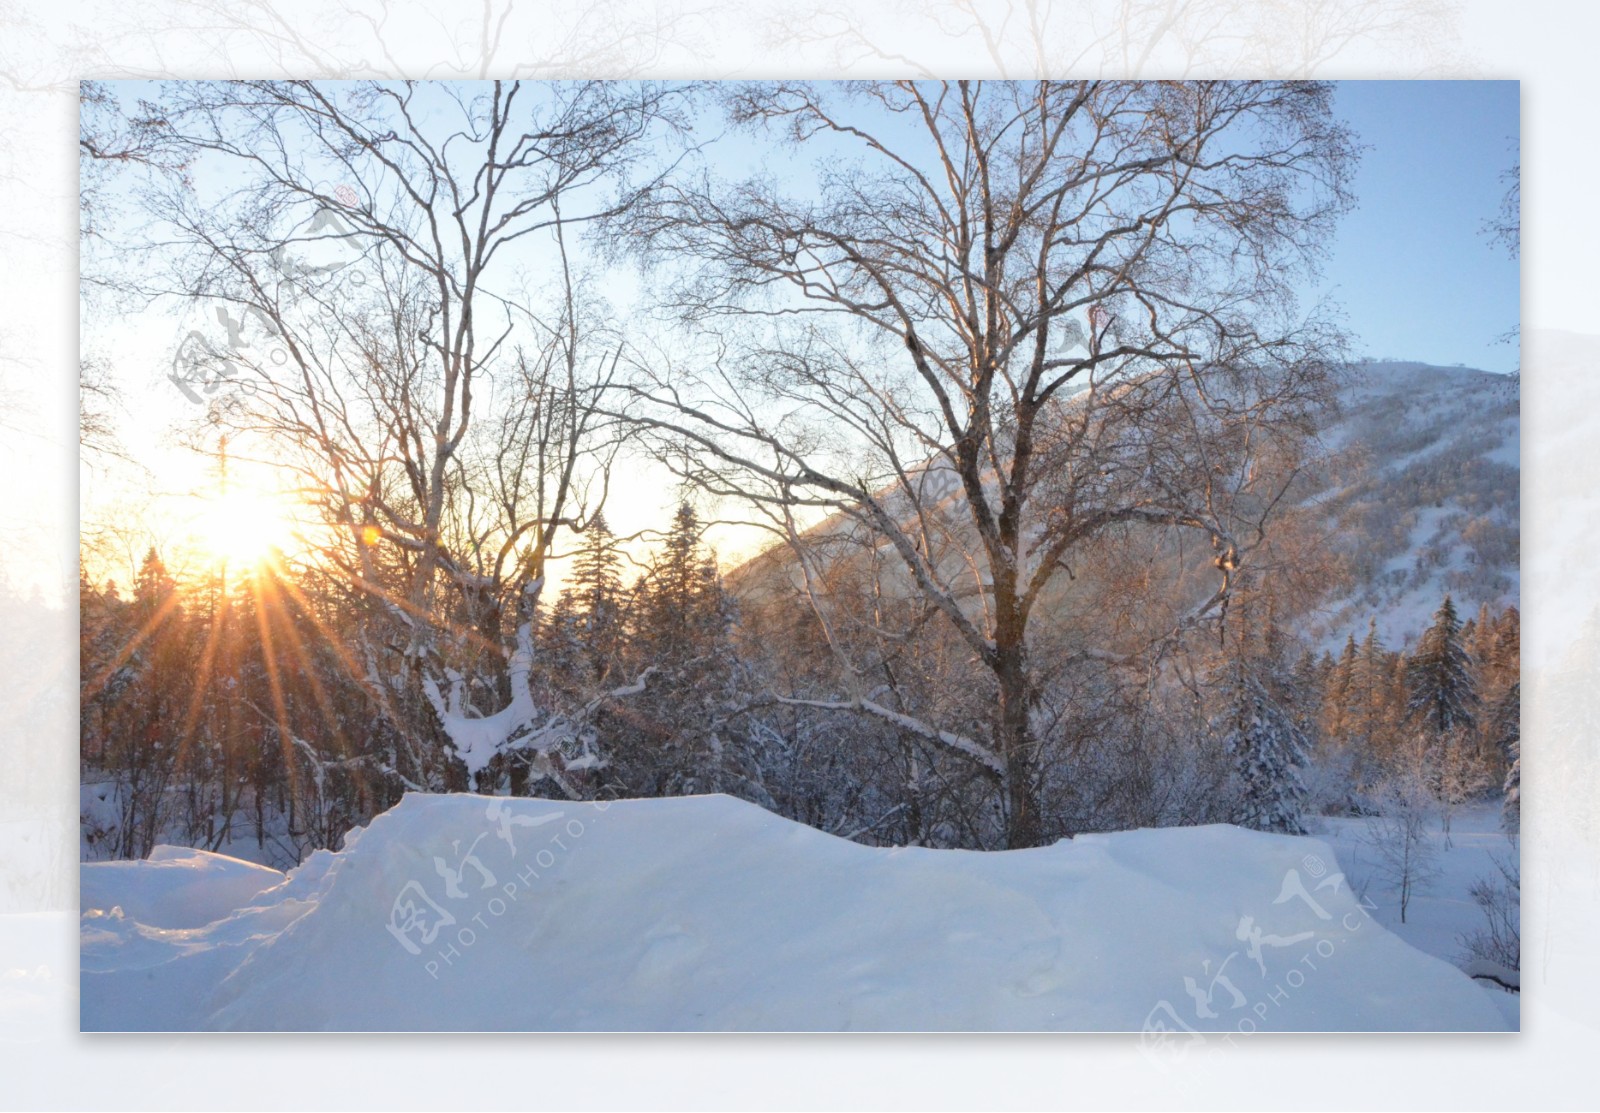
(1411, 266)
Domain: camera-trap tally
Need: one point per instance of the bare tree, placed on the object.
(1459, 774)
(1494, 951)
(1504, 229)
(98, 403)
(1000, 323)
(1124, 38)
(1407, 860)
(366, 252)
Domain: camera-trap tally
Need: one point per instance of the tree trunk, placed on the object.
(1014, 742)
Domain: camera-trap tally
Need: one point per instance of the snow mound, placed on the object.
(176, 887)
(465, 912)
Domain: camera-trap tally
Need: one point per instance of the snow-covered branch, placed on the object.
(960, 743)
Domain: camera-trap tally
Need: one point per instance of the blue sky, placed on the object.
(1411, 266)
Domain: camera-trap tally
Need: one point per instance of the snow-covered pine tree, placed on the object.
(679, 739)
(1269, 751)
(1441, 677)
(1306, 681)
(1509, 735)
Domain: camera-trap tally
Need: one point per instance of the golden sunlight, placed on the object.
(243, 527)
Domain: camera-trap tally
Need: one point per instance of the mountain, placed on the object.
(1423, 498)
(1416, 492)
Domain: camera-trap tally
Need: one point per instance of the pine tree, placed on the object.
(1507, 651)
(681, 607)
(1336, 695)
(152, 693)
(1326, 669)
(677, 739)
(1441, 678)
(153, 588)
(1268, 751)
(1478, 635)
(1368, 717)
(1508, 731)
(588, 616)
(1365, 687)
(1307, 682)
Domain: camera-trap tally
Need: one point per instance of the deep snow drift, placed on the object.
(473, 913)
(1441, 910)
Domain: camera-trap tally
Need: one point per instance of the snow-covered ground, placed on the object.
(1442, 911)
(472, 913)
(176, 887)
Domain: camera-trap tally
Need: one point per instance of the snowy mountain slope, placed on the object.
(1418, 494)
(1423, 497)
(707, 913)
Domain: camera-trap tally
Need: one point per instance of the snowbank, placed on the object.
(1441, 911)
(176, 887)
(472, 913)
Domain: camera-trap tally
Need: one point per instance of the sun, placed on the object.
(243, 527)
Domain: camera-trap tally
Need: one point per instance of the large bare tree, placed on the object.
(988, 326)
(382, 260)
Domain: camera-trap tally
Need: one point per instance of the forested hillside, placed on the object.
(241, 715)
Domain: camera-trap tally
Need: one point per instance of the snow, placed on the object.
(1420, 424)
(478, 740)
(1442, 912)
(1489, 970)
(461, 912)
(176, 887)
